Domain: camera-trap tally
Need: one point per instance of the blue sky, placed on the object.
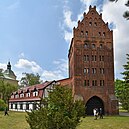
(35, 34)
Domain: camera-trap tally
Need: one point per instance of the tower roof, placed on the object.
(8, 72)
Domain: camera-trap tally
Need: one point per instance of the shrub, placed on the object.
(2, 105)
(59, 112)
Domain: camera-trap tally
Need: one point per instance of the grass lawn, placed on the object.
(109, 122)
(16, 120)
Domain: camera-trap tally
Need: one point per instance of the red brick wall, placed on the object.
(94, 39)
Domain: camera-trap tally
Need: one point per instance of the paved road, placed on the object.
(123, 113)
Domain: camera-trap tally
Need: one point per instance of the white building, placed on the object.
(26, 99)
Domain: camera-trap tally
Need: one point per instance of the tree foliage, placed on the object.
(122, 87)
(60, 111)
(30, 79)
(122, 93)
(6, 89)
(126, 13)
(2, 105)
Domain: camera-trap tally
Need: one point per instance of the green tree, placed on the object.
(30, 79)
(126, 13)
(122, 93)
(5, 90)
(126, 72)
(122, 86)
(60, 111)
(1, 73)
(2, 105)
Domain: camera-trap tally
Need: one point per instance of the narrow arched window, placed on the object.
(86, 33)
(93, 45)
(95, 23)
(103, 33)
(90, 23)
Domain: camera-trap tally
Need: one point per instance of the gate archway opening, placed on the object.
(94, 102)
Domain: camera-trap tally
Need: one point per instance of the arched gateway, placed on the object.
(94, 102)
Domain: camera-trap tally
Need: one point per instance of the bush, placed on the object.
(2, 105)
(59, 112)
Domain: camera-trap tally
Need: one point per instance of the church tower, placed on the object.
(91, 63)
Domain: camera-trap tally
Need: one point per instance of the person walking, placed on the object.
(6, 112)
(95, 113)
(100, 113)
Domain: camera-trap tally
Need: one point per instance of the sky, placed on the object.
(35, 35)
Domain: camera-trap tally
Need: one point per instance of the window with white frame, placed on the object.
(12, 96)
(35, 93)
(21, 95)
(101, 82)
(27, 94)
(94, 70)
(94, 82)
(11, 105)
(101, 70)
(93, 57)
(86, 57)
(17, 96)
(86, 70)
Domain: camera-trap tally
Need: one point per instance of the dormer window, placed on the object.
(28, 94)
(35, 93)
(17, 96)
(21, 95)
(12, 96)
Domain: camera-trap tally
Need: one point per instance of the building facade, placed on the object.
(91, 63)
(28, 98)
(8, 76)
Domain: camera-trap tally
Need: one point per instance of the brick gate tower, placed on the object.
(91, 63)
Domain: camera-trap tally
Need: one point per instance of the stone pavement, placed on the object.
(123, 113)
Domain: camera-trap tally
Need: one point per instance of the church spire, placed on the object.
(9, 66)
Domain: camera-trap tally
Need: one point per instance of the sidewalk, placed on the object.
(123, 113)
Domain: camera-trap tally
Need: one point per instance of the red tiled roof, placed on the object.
(64, 82)
(24, 99)
(39, 88)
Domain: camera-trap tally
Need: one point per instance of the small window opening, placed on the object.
(95, 24)
(103, 33)
(86, 33)
(90, 23)
(82, 33)
(101, 46)
(93, 45)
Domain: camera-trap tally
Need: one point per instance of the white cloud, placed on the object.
(68, 36)
(3, 66)
(68, 24)
(67, 19)
(28, 65)
(60, 69)
(113, 12)
(51, 75)
(62, 65)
